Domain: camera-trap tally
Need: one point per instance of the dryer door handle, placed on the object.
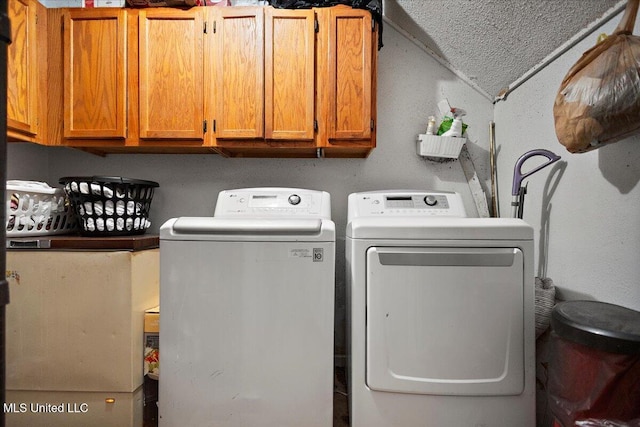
(497, 257)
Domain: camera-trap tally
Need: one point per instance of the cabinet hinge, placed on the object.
(205, 27)
(315, 125)
(316, 26)
(204, 126)
(372, 124)
(373, 25)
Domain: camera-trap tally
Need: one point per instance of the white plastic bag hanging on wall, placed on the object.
(599, 99)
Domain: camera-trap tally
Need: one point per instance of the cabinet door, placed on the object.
(95, 73)
(289, 74)
(22, 95)
(239, 63)
(350, 61)
(171, 73)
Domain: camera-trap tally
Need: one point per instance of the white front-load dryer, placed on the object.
(440, 314)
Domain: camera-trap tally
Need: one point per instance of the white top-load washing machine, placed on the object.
(247, 309)
(440, 314)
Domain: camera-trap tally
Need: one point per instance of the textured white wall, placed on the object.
(27, 162)
(590, 203)
(410, 84)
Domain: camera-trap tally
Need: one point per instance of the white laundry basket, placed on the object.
(36, 209)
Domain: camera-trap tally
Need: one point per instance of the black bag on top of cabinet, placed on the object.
(374, 6)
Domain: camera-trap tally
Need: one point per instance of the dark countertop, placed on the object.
(77, 242)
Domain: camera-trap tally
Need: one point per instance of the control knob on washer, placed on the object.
(294, 199)
(430, 200)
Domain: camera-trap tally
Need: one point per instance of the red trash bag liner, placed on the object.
(594, 365)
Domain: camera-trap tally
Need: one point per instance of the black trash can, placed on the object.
(594, 365)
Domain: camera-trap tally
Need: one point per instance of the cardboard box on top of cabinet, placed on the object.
(84, 3)
(176, 3)
(52, 4)
(152, 320)
(105, 3)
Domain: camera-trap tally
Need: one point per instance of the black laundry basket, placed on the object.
(110, 206)
(594, 365)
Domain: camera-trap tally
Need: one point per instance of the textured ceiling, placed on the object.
(493, 43)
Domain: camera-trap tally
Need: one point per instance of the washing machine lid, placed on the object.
(439, 228)
(445, 321)
(260, 214)
(248, 229)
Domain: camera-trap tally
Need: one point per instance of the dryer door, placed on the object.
(446, 321)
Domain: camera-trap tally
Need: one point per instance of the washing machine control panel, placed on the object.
(273, 202)
(406, 203)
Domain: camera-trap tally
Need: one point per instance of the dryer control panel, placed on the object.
(405, 203)
(273, 202)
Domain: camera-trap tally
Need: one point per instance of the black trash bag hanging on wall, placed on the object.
(374, 6)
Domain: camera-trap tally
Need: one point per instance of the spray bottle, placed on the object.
(456, 126)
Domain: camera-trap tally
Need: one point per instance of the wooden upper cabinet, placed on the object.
(289, 74)
(239, 68)
(171, 73)
(95, 74)
(22, 70)
(319, 70)
(241, 81)
(350, 64)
